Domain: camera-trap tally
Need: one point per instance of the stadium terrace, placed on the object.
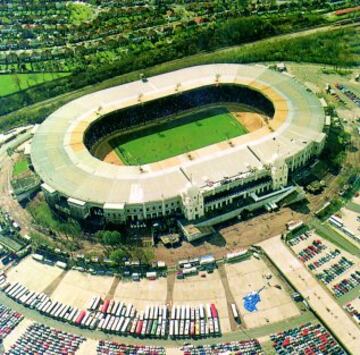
(212, 183)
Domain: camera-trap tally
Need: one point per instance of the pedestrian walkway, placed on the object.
(318, 298)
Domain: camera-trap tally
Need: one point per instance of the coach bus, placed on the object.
(235, 312)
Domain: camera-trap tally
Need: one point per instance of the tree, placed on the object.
(118, 255)
(110, 237)
(144, 255)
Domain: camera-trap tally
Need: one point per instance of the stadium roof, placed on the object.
(64, 163)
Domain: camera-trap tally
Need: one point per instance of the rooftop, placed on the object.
(68, 167)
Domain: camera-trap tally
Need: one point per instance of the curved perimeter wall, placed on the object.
(226, 177)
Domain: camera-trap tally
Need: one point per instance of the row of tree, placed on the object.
(228, 33)
(121, 249)
(333, 47)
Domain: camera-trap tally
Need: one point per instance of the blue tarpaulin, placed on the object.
(251, 300)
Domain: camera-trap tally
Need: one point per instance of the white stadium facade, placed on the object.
(252, 171)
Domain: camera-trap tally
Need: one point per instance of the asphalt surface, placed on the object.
(322, 303)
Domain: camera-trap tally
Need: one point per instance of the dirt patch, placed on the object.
(105, 152)
(249, 118)
(238, 235)
(113, 288)
(113, 158)
(170, 288)
(229, 296)
(50, 289)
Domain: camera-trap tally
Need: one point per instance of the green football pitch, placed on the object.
(181, 135)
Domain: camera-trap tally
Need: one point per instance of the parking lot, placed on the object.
(143, 293)
(254, 276)
(16, 333)
(88, 347)
(34, 275)
(351, 221)
(77, 288)
(335, 268)
(197, 290)
(317, 297)
(353, 308)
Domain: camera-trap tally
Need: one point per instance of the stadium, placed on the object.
(202, 144)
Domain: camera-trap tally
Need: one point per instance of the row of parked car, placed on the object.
(41, 339)
(348, 93)
(299, 238)
(315, 248)
(314, 256)
(335, 270)
(346, 285)
(245, 347)
(105, 347)
(117, 317)
(9, 319)
(324, 259)
(354, 310)
(306, 339)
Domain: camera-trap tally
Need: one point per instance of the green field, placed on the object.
(184, 134)
(11, 83)
(20, 166)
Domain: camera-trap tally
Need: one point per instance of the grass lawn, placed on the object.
(184, 134)
(44, 216)
(20, 166)
(325, 231)
(11, 83)
(348, 297)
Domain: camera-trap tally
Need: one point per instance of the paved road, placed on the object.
(99, 335)
(318, 298)
(7, 202)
